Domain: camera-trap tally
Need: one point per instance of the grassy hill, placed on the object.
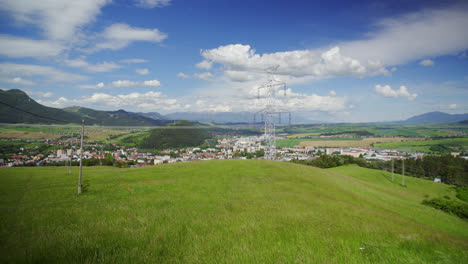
(175, 136)
(20, 99)
(114, 118)
(225, 212)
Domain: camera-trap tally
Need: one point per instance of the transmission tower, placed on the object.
(269, 112)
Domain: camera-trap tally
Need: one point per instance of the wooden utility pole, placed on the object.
(81, 156)
(392, 171)
(403, 176)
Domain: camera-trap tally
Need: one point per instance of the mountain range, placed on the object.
(13, 101)
(436, 117)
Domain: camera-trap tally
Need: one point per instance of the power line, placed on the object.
(52, 119)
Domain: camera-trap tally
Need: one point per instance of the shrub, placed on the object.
(459, 209)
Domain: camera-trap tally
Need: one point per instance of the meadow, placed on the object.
(233, 211)
(361, 142)
(460, 144)
(54, 132)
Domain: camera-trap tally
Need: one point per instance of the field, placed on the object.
(377, 130)
(43, 132)
(364, 142)
(291, 142)
(225, 212)
(424, 145)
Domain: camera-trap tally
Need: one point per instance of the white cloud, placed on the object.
(12, 70)
(149, 101)
(297, 63)
(152, 3)
(90, 86)
(204, 65)
(182, 75)
(118, 36)
(133, 61)
(427, 63)
(332, 93)
(239, 76)
(123, 83)
(44, 95)
(452, 106)
(19, 81)
(142, 71)
(388, 92)
(58, 19)
(101, 67)
(207, 76)
(16, 47)
(126, 83)
(426, 33)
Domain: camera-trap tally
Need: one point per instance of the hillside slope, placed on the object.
(21, 100)
(229, 211)
(175, 136)
(114, 118)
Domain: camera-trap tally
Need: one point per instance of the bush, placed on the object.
(462, 193)
(453, 207)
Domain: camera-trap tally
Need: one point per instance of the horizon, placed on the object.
(358, 62)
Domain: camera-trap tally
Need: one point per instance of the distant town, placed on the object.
(250, 147)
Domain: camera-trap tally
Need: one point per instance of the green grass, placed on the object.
(291, 142)
(455, 144)
(225, 212)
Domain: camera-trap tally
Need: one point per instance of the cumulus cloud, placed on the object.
(239, 76)
(142, 71)
(90, 86)
(207, 76)
(126, 83)
(120, 35)
(100, 67)
(452, 106)
(12, 70)
(149, 101)
(133, 61)
(388, 92)
(182, 75)
(427, 63)
(123, 83)
(426, 33)
(204, 65)
(16, 47)
(152, 3)
(298, 63)
(332, 93)
(58, 19)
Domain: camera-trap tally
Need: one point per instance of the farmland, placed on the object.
(225, 212)
(454, 144)
(364, 142)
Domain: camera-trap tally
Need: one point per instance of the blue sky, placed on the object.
(342, 61)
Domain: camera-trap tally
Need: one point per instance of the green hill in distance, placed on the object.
(231, 211)
(21, 100)
(114, 118)
(175, 136)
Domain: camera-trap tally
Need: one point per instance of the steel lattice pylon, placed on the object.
(269, 113)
